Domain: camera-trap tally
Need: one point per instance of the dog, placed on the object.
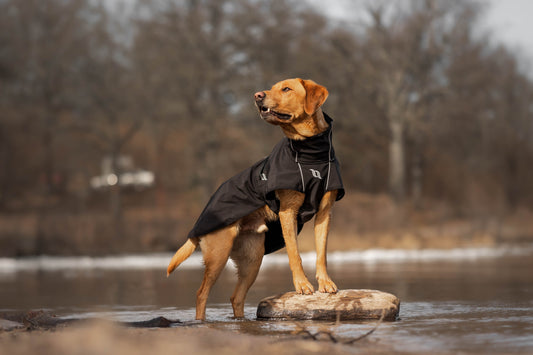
(264, 207)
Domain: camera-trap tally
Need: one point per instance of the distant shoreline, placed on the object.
(362, 222)
(160, 260)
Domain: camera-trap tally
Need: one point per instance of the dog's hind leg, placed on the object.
(247, 253)
(216, 248)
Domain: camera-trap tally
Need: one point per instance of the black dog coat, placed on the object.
(307, 166)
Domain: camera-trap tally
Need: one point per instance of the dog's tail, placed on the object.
(183, 253)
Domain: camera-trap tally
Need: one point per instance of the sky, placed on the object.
(511, 22)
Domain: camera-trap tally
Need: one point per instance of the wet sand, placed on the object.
(100, 337)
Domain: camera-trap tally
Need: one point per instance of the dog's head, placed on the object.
(290, 101)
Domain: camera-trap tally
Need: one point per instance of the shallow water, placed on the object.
(465, 300)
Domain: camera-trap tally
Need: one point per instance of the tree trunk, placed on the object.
(115, 198)
(48, 147)
(397, 160)
(4, 170)
(416, 178)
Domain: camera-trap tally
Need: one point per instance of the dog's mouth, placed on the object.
(265, 111)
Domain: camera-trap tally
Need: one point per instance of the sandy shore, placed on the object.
(101, 337)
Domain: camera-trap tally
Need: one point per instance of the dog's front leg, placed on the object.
(290, 203)
(322, 221)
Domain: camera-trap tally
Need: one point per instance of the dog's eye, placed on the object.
(286, 88)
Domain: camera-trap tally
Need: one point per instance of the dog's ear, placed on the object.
(316, 95)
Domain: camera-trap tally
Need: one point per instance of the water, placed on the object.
(464, 300)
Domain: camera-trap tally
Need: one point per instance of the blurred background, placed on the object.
(118, 119)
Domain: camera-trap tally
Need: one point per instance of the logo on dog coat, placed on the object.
(316, 174)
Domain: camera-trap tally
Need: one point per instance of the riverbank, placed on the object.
(360, 221)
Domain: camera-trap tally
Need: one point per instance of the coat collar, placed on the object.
(315, 149)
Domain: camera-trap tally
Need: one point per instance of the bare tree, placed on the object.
(405, 64)
(109, 111)
(45, 31)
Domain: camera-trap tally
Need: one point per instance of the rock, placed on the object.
(345, 304)
(10, 325)
(158, 322)
(41, 320)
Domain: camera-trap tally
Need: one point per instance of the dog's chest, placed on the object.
(310, 174)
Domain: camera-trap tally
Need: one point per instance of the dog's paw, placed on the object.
(327, 286)
(304, 287)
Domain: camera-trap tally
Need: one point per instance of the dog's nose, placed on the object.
(259, 95)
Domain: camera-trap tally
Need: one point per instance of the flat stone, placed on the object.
(343, 305)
